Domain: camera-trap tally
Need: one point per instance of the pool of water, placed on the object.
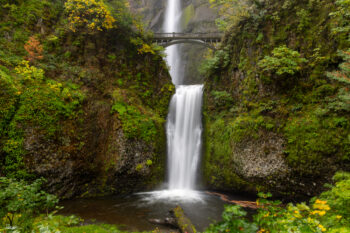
(133, 212)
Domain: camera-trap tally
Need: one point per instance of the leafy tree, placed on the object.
(34, 49)
(342, 18)
(341, 102)
(283, 61)
(88, 15)
(20, 202)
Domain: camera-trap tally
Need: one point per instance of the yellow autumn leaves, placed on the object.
(90, 15)
(320, 207)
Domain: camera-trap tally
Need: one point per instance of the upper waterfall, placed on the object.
(172, 23)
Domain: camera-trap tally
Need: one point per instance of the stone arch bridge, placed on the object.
(205, 39)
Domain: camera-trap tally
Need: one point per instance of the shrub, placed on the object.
(88, 15)
(222, 98)
(233, 221)
(341, 102)
(34, 49)
(330, 212)
(20, 202)
(342, 18)
(282, 61)
(135, 124)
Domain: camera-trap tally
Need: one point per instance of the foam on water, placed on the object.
(173, 196)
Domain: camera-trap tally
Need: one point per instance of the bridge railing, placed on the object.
(180, 35)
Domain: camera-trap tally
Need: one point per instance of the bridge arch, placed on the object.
(204, 39)
(188, 41)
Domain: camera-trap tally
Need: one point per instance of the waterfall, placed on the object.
(184, 129)
(172, 23)
(184, 124)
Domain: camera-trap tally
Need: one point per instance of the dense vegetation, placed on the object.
(81, 93)
(277, 114)
(329, 212)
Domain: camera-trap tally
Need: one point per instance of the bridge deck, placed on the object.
(188, 36)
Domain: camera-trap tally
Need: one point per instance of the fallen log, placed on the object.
(184, 223)
(245, 204)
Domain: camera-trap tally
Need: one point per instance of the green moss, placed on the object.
(313, 137)
(42, 101)
(134, 123)
(8, 97)
(283, 93)
(187, 15)
(219, 166)
(71, 224)
(41, 106)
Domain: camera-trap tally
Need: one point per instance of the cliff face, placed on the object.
(87, 112)
(102, 150)
(270, 124)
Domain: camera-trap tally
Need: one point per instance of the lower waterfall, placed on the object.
(184, 129)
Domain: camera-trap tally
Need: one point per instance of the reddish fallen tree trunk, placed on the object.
(245, 204)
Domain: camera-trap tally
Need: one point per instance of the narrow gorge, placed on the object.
(174, 116)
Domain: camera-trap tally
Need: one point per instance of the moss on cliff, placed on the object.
(272, 68)
(58, 111)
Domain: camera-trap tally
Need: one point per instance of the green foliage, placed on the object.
(232, 12)
(220, 59)
(233, 221)
(27, 12)
(312, 138)
(135, 123)
(304, 19)
(339, 197)
(342, 18)
(41, 105)
(8, 98)
(307, 112)
(222, 98)
(20, 202)
(149, 162)
(120, 11)
(70, 224)
(52, 223)
(328, 213)
(144, 48)
(282, 61)
(341, 102)
(221, 136)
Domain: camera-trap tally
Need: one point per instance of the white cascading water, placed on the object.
(184, 125)
(184, 129)
(172, 24)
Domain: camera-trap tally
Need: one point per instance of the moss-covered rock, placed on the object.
(268, 122)
(59, 112)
